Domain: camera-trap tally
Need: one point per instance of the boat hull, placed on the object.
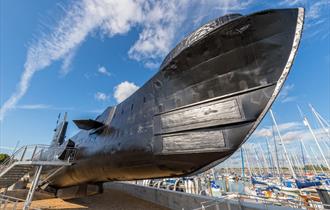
(211, 92)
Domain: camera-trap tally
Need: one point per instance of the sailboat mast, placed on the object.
(326, 128)
(306, 123)
(270, 159)
(307, 155)
(264, 159)
(316, 160)
(242, 157)
(276, 152)
(319, 119)
(303, 157)
(298, 164)
(285, 152)
(294, 164)
(247, 161)
(261, 170)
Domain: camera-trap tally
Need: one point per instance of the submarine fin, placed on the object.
(88, 124)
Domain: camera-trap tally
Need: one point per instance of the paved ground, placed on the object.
(110, 199)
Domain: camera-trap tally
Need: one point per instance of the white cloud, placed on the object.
(285, 94)
(160, 24)
(293, 2)
(268, 130)
(317, 16)
(95, 111)
(101, 96)
(263, 132)
(233, 5)
(124, 90)
(303, 134)
(290, 131)
(289, 99)
(160, 27)
(315, 10)
(104, 71)
(289, 126)
(66, 65)
(33, 106)
(41, 106)
(286, 89)
(8, 148)
(67, 34)
(151, 65)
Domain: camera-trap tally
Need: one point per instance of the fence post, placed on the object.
(34, 151)
(32, 189)
(23, 153)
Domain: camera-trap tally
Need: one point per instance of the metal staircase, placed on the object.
(13, 174)
(31, 160)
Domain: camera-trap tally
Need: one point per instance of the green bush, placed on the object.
(3, 157)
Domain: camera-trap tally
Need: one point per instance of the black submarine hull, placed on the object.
(211, 92)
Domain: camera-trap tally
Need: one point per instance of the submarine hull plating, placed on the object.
(211, 92)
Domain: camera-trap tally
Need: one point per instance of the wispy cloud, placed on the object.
(317, 16)
(124, 90)
(233, 5)
(268, 130)
(316, 9)
(290, 131)
(289, 99)
(33, 106)
(160, 24)
(285, 96)
(104, 71)
(101, 96)
(303, 134)
(95, 111)
(66, 65)
(7, 148)
(293, 2)
(66, 35)
(160, 28)
(151, 65)
(41, 106)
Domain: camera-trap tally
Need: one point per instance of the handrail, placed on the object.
(239, 198)
(7, 197)
(40, 152)
(20, 149)
(9, 202)
(263, 200)
(10, 157)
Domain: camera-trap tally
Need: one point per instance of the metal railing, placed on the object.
(40, 153)
(264, 201)
(8, 202)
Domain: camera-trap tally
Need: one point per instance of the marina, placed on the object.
(268, 172)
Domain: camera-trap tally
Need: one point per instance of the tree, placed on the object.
(3, 157)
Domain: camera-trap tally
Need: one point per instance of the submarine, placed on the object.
(209, 95)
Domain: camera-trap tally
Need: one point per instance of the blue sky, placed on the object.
(82, 56)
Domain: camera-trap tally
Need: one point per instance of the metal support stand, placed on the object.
(33, 188)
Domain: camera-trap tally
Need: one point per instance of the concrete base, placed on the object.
(182, 201)
(79, 191)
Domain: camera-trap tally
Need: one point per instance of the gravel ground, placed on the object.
(110, 199)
